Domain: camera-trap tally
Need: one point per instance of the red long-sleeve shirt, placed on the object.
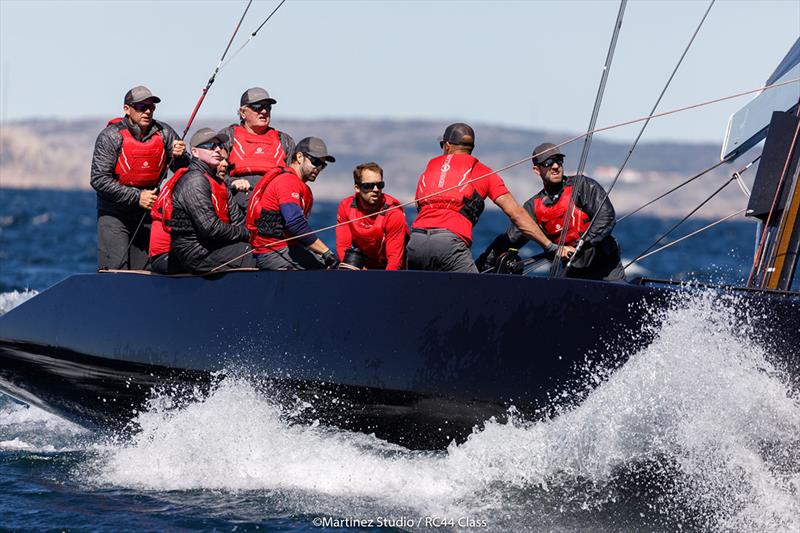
(382, 238)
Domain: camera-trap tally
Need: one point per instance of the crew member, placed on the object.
(598, 257)
(160, 238)
(131, 156)
(253, 145)
(381, 238)
(450, 198)
(206, 224)
(279, 209)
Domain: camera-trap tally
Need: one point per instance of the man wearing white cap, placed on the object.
(131, 156)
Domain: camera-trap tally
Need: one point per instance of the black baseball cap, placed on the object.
(256, 94)
(459, 133)
(140, 93)
(545, 151)
(315, 147)
(204, 135)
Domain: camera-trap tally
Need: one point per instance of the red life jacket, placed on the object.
(161, 212)
(550, 217)
(255, 154)
(448, 171)
(254, 206)
(139, 164)
(369, 234)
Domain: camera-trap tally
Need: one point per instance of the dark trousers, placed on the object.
(235, 255)
(115, 251)
(438, 249)
(293, 257)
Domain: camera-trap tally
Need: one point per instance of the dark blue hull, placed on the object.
(417, 358)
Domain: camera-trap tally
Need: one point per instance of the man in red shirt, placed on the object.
(279, 209)
(381, 238)
(450, 199)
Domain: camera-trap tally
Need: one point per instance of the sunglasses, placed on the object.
(317, 162)
(142, 106)
(209, 146)
(258, 108)
(366, 187)
(550, 160)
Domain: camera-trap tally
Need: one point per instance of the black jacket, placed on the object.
(598, 241)
(196, 228)
(114, 198)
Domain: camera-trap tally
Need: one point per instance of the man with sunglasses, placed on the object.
(277, 215)
(379, 235)
(206, 224)
(254, 146)
(599, 255)
(450, 198)
(131, 156)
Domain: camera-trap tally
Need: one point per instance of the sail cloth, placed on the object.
(791, 59)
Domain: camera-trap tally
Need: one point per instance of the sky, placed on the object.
(526, 64)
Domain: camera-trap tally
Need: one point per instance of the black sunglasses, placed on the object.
(142, 106)
(209, 146)
(317, 162)
(366, 187)
(258, 108)
(550, 160)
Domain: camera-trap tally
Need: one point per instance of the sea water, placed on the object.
(696, 432)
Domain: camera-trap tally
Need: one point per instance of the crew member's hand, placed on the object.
(147, 198)
(567, 252)
(486, 260)
(240, 185)
(330, 260)
(178, 148)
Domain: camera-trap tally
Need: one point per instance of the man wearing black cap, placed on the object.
(254, 146)
(131, 155)
(279, 209)
(598, 256)
(206, 225)
(450, 198)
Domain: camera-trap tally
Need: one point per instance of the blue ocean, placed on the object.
(680, 439)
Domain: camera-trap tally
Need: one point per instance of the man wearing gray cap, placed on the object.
(598, 257)
(450, 198)
(131, 155)
(206, 224)
(254, 146)
(279, 209)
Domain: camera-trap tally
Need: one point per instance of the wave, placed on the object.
(696, 431)
(10, 300)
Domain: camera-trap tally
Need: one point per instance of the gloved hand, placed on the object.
(330, 260)
(486, 260)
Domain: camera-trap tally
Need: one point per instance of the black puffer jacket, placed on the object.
(196, 228)
(114, 198)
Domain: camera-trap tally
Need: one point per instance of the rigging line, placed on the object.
(684, 219)
(528, 158)
(587, 143)
(641, 132)
(654, 200)
(778, 192)
(692, 234)
(252, 35)
(738, 176)
(213, 76)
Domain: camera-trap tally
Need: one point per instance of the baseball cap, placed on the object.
(140, 93)
(256, 94)
(459, 133)
(315, 147)
(545, 151)
(204, 135)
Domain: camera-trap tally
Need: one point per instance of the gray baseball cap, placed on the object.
(256, 94)
(315, 147)
(545, 151)
(140, 93)
(204, 135)
(459, 133)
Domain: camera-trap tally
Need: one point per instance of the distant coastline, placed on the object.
(56, 154)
